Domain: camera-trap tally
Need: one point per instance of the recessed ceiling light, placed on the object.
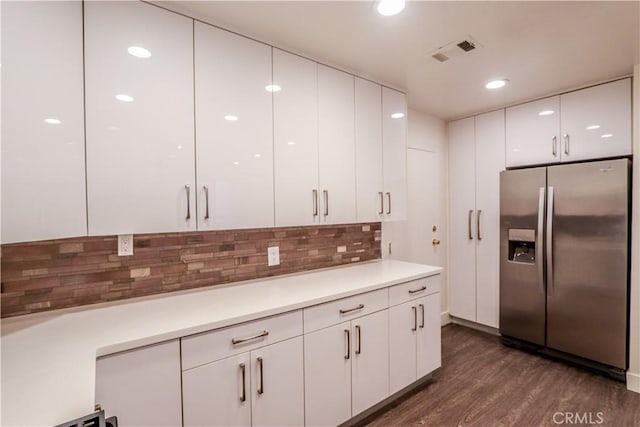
(179, 147)
(397, 115)
(291, 143)
(496, 84)
(231, 117)
(546, 113)
(273, 88)
(593, 127)
(606, 135)
(52, 121)
(236, 163)
(124, 98)
(390, 7)
(257, 156)
(139, 52)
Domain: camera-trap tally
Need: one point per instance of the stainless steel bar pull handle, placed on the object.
(314, 195)
(554, 146)
(261, 367)
(326, 202)
(566, 144)
(188, 188)
(539, 240)
(550, 239)
(349, 310)
(420, 289)
(415, 319)
(389, 200)
(358, 340)
(255, 337)
(478, 223)
(422, 315)
(206, 202)
(243, 396)
(469, 224)
(381, 211)
(347, 335)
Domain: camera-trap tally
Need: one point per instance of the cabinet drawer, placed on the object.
(218, 344)
(334, 312)
(414, 289)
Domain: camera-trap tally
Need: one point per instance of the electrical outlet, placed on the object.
(125, 244)
(273, 255)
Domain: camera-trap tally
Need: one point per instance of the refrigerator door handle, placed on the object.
(540, 241)
(549, 242)
(469, 224)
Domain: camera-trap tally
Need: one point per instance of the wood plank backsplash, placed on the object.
(54, 274)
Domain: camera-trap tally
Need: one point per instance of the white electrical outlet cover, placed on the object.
(125, 244)
(273, 256)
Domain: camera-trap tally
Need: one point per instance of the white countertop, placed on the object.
(48, 359)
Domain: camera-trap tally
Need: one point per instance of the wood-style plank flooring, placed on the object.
(484, 383)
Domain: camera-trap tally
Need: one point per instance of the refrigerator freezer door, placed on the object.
(587, 298)
(522, 295)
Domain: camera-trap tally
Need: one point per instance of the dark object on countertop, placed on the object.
(95, 419)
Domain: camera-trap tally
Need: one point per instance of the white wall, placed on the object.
(633, 374)
(411, 240)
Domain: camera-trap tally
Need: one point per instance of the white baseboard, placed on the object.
(474, 325)
(633, 382)
(445, 319)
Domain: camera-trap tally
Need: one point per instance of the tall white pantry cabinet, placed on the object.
(476, 158)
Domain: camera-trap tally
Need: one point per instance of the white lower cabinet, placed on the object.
(414, 334)
(346, 369)
(260, 387)
(141, 386)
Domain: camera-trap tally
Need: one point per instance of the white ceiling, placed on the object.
(541, 47)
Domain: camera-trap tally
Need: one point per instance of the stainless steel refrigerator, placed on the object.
(564, 261)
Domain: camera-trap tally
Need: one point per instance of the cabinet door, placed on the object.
(336, 141)
(596, 122)
(277, 394)
(139, 119)
(462, 225)
(218, 393)
(142, 386)
(533, 133)
(394, 149)
(402, 345)
(368, 130)
(429, 353)
(327, 375)
(43, 178)
(295, 127)
(234, 131)
(370, 365)
(489, 164)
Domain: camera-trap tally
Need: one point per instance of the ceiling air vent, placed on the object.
(455, 48)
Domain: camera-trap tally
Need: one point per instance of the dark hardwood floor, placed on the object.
(484, 383)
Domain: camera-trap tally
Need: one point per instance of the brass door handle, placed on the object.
(435, 242)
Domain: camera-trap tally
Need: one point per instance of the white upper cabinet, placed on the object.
(368, 130)
(337, 180)
(43, 166)
(596, 122)
(585, 124)
(139, 119)
(295, 119)
(533, 133)
(234, 130)
(394, 149)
